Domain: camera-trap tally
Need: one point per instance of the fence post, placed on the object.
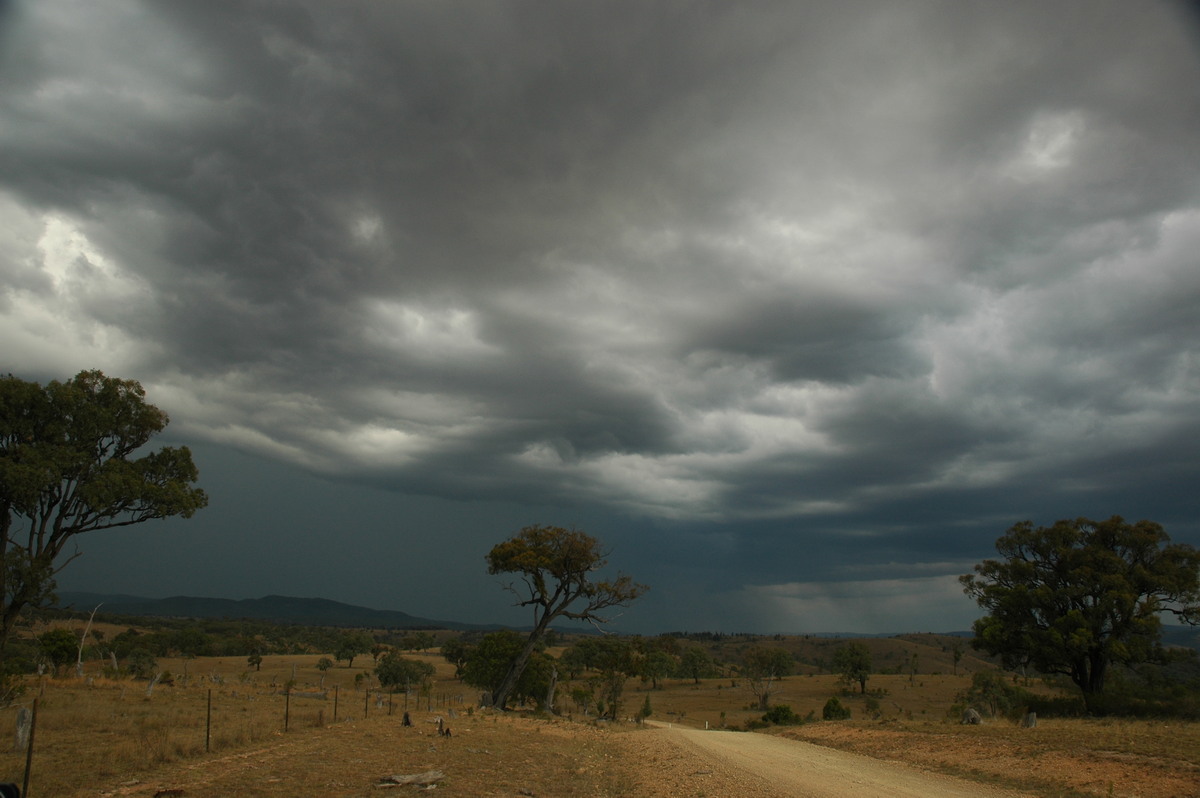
(335, 702)
(287, 707)
(208, 724)
(29, 750)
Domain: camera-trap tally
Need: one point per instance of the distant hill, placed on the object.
(1185, 636)
(275, 609)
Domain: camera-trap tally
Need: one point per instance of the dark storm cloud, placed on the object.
(776, 294)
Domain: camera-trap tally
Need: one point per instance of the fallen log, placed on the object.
(416, 779)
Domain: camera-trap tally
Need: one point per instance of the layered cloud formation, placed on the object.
(786, 297)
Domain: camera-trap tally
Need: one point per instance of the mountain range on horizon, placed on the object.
(275, 609)
(326, 612)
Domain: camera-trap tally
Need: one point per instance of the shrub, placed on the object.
(991, 694)
(782, 715)
(834, 710)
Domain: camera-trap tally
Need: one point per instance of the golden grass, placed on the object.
(97, 731)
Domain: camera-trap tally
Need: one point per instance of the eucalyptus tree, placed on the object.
(1077, 596)
(555, 570)
(73, 461)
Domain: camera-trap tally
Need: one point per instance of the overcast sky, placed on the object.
(797, 306)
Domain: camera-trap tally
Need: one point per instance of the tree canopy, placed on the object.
(395, 670)
(853, 663)
(555, 568)
(1077, 596)
(69, 464)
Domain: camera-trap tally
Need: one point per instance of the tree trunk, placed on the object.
(500, 698)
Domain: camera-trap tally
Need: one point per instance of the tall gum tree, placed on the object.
(70, 464)
(1075, 597)
(555, 569)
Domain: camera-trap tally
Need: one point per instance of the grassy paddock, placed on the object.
(95, 729)
(100, 728)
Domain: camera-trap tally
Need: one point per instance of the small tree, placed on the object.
(763, 666)
(68, 466)
(395, 671)
(695, 662)
(58, 646)
(613, 660)
(555, 567)
(455, 651)
(254, 660)
(992, 693)
(853, 662)
(655, 665)
(353, 644)
(141, 664)
(1077, 596)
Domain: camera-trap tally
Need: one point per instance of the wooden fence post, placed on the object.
(29, 750)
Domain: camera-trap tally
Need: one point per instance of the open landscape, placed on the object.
(216, 725)
(595, 399)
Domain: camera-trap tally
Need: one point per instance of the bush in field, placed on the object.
(59, 647)
(782, 715)
(992, 694)
(834, 710)
(141, 664)
(395, 671)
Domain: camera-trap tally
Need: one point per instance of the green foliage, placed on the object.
(695, 663)
(68, 466)
(417, 641)
(352, 644)
(646, 710)
(324, 664)
(655, 665)
(489, 662)
(59, 647)
(582, 695)
(1081, 595)
(992, 694)
(141, 664)
(456, 651)
(853, 663)
(782, 715)
(833, 710)
(191, 641)
(394, 670)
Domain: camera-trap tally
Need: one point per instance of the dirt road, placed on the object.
(793, 768)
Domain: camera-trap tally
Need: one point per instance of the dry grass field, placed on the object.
(100, 737)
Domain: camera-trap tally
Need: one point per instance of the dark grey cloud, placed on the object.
(785, 300)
